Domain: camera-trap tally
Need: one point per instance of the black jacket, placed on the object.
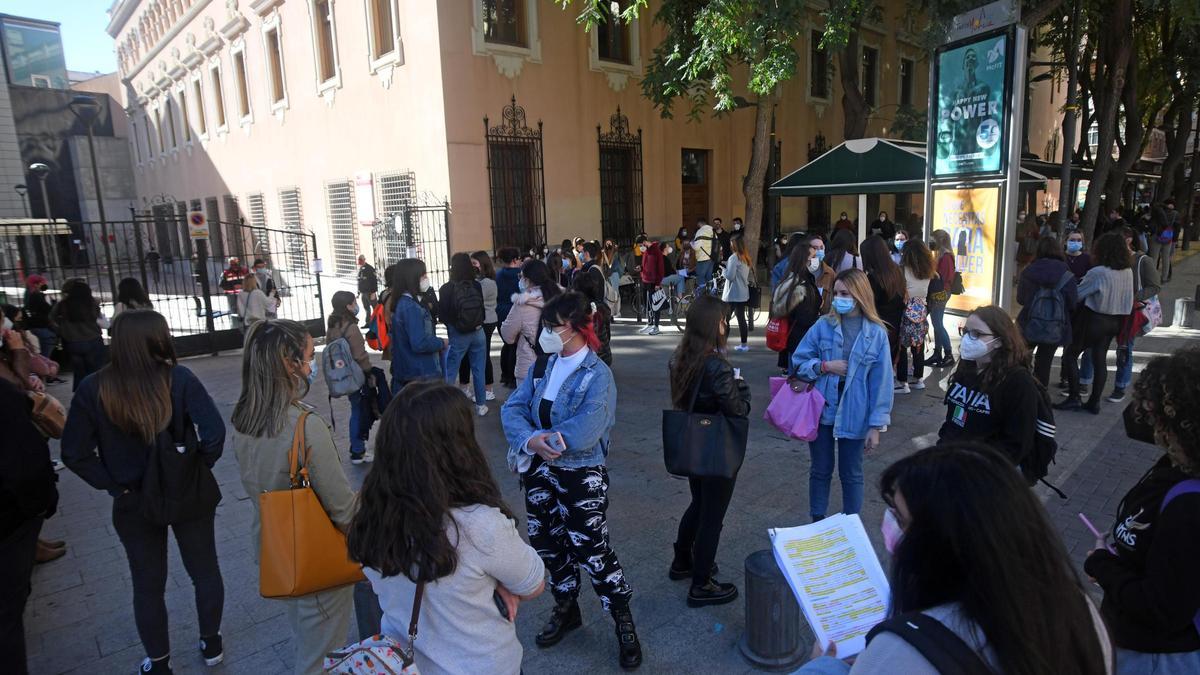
(27, 479)
(368, 281)
(1152, 585)
(1003, 415)
(720, 392)
(36, 310)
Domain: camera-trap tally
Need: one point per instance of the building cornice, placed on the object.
(118, 14)
(181, 24)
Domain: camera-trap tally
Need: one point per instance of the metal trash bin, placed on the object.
(1183, 312)
(772, 637)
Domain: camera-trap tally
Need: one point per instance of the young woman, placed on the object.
(1106, 294)
(883, 227)
(888, 287)
(430, 513)
(1145, 286)
(1151, 592)
(737, 286)
(457, 295)
(592, 286)
(37, 314)
(823, 273)
(1079, 260)
(524, 322)
(416, 348)
(992, 395)
(798, 297)
(79, 321)
(558, 425)
(898, 243)
(917, 266)
(845, 356)
(131, 295)
(1049, 270)
(508, 276)
(779, 271)
(1008, 592)
(116, 416)
(278, 365)
(343, 323)
(653, 272)
(485, 273)
(700, 373)
(253, 304)
(944, 254)
(843, 251)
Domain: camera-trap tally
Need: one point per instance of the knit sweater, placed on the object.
(1107, 291)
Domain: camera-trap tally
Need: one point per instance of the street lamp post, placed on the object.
(40, 171)
(22, 190)
(86, 108)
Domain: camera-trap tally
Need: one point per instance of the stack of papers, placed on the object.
(836, 577)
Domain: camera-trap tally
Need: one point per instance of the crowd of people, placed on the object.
(442, 550)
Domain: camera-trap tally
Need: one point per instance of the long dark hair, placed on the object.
(978, 537)
(918, 259)
(487, 269)
(702, 338)
(877, 263)
(338, 314)
(131, 294)
(79, 305)
(537, 273)
(427, 462)
(135, 386)
(1012, 352)
(461, 268)
(407, 277)
(840, 245)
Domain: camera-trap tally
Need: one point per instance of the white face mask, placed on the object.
(424, 284)
(973, 349)
(522, 285)
(814, 265)
(7, 324)
(550, 341)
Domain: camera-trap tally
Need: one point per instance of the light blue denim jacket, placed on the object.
(584, 412)
(866, 398)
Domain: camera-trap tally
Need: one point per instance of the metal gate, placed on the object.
(415, 231)
(184, 288)
(516, 180)
(620, 180)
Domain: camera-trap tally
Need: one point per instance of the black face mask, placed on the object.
(1135, 428)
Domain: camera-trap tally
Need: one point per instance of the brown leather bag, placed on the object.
(301, 552)
(49, 416)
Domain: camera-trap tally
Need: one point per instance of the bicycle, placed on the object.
(678, 306)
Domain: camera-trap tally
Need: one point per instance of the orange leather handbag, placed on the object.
(302, 552)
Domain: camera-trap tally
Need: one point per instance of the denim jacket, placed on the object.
(584, 412)
(866, 398)
(415, 346)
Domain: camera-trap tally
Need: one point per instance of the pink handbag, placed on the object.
(797, 414)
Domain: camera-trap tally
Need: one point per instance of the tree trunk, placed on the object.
(855, 111)
(1185, 197)
(1177, 144)
(756, 175)
(1118, 51)
(1135, 137)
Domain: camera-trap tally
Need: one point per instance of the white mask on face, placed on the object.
(814, 265)
(7, 324)
(973, 349)
(424, 284)
(550, 341)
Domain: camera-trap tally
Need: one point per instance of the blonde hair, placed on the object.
(739, 249)
(250, 283)
(269, 385)
(859, 286)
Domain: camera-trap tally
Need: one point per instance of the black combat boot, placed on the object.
(564, 618)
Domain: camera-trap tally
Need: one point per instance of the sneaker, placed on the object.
(1084, 389)
(1117, 396)
(916, 384)
(1063, 384)
(365, 458)
(159, 667)
(742, 348)
(490, 396)
(481, 410)
(57, 464)
(211, 650)
(901, 388)
(1072, 403)
(947, 362)
(653, 331)
(644, 330)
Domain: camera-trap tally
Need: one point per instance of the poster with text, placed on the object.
(970, 216)
(971, 88)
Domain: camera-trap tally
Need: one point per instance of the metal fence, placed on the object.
(415, 230)
(182, 279)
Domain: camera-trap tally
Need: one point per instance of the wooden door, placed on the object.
(694, 178)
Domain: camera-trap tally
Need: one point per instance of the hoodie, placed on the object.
(652, 264)
(521, 328)
(1041, 273)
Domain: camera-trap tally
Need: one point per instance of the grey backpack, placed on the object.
(343, 375)
(1046, 323)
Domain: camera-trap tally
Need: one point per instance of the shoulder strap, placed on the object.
(1183, 487)
(298, 474)
(416, 615)
(540, 365)
(944, 650)
(1062, 282)
(696, 388)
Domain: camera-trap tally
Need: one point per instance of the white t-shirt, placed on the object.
(560, 371)
(460, 629)
(917, 288)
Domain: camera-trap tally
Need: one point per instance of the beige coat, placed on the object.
(521, 328)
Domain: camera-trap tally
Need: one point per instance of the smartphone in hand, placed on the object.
(556, 442)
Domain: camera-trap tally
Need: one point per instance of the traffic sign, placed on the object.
(197, 225)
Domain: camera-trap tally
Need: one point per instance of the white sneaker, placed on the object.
(742, 348)
(366, 458)
(917, 385)
(643, 330)
(467, 391)
(900, 388)
(653, 331)
(481, 410)
(490, 396)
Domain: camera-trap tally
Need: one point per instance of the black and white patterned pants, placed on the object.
(565, 514)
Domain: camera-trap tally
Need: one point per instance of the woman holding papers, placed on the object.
(980, 581)
(700, 372)
(558, 423)
(846, 356)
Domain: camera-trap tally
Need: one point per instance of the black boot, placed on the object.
(564, 618)
(627, 639)
(712, 592)
(681, 565)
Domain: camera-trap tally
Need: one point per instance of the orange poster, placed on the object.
(970, 216)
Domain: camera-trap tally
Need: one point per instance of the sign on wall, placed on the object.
(364, 198)
(972, 81)
(970, 216)
(197, 225)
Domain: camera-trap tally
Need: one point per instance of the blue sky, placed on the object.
(88, 48)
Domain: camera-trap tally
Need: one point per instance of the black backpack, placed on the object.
(468, 307)
(940, 646)
(1036, 466)
(178, 485)
(1046, 320)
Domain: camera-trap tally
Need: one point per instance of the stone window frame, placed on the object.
(616, 72)
(241, 88)
(272, 23)
(324, 88)
(385, 64)
(509, 59)
(217, 85)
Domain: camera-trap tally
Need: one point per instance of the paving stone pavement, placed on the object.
(79, 618)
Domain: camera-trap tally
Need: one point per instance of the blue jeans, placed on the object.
(704, 274)
(850, 471)
(47, 339)
(676, 283)
(941, 337)
(358, 435)
(1124, 365)
(1140, 663)
(1086, 372)
(474, 347)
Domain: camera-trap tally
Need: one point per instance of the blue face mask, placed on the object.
(1074, 246)
(312, 370)
(821, 254)
(900, 244)
(566, 264)
(843, 305)
(522, 285)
